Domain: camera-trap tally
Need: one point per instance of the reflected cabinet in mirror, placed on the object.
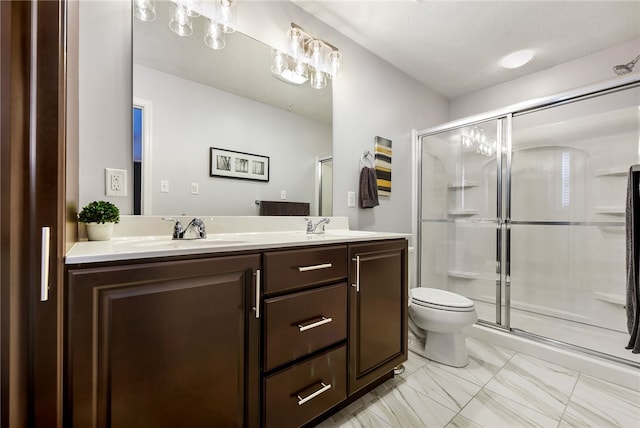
(190, 98)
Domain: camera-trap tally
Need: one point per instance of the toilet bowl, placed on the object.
(436, 320)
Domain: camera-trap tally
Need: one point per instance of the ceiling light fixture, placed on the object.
(307, 58)
(145, 10)
(516, 59)
(222, 21)
(625, 68)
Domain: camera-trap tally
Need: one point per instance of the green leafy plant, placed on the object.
(99, 212)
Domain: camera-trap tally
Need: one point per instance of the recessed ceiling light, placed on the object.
(516, 59)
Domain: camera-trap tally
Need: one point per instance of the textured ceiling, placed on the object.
(454, 47)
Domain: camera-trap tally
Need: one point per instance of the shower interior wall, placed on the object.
(569, 168)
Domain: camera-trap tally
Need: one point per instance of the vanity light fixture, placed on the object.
(145, 10)
(220, 19)
(307, 58)
(476, 136)
(183, 11)
(517, 59)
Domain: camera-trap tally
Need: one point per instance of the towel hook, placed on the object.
(367, 159)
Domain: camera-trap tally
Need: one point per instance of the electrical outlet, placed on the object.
(164, 186)
(195, 189)
(351, 199)
(283, 194)
(115, 182)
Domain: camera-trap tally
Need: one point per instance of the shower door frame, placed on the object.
(503, 197)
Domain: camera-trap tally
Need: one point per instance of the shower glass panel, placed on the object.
(568, 177)
(460, 214)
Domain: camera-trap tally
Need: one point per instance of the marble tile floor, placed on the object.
(499, 388)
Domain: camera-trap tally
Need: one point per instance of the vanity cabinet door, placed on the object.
(163, 344)
(377, 310)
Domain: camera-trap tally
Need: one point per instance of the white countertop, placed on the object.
(141, 247)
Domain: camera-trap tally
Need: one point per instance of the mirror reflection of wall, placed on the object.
(326, 187)
(197, 98)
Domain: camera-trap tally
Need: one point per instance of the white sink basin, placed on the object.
(153, 242)
(349, 233)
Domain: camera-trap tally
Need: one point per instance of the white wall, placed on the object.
(573, 74)
(371, 98)
(104, 97)
(180, 154)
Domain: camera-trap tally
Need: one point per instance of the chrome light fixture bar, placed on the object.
(307, 58)
(221, 19)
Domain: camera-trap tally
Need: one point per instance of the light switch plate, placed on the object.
(164, 186)
(351, 199)
(195, 188)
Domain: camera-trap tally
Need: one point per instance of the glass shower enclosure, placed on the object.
(522, 210)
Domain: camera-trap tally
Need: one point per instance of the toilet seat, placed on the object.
(441, 299)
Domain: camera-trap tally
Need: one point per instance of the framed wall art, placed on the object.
(382, 148)
(232, 164)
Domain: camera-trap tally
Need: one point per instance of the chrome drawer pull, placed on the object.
(324, 320)
(357, 284)
(44, 264)
(257, 306)
(314, 267)
(324, 388)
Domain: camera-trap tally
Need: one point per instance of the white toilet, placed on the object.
(436, 320)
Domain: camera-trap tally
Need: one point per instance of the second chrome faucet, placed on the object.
(318, 227)
(180, 232)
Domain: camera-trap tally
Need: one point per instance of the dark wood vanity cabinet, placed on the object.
(335, 324)
(280, 338)
(163, 344)
(378, 305)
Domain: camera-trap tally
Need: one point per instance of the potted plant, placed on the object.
(99, 217)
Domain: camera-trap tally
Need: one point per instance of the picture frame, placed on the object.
(233, 164)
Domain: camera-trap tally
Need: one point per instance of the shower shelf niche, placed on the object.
(462, 274)
(610, 210)
(613, 230)
(463, 185)
(615, 299)
(611, 172)
(463, 213)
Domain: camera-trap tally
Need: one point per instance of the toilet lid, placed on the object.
(440, 297)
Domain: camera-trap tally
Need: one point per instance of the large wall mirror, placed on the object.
(189, 98)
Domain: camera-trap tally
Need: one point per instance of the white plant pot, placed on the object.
(99, 231)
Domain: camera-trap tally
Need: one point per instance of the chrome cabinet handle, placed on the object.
(257, 306)
(44, 264)
(314, 267)
(323, 321)
(357, 284)
(324, 388)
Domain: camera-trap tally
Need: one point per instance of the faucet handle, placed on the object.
(309, 225)
(198, 223)
(178, 230)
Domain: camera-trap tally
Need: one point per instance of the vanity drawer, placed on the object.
(294, 269)
(301, 323)
(298, 394)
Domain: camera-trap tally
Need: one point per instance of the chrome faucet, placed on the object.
(318, 227)
(179, 231)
